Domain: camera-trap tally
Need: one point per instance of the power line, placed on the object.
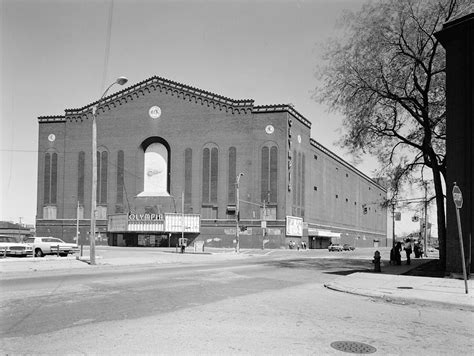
(107, 44)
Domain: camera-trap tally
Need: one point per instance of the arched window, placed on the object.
(50, 178)
(102, 170)
(188, 177)
(209, 175)
(269, 174)
(156, 165)
(232, 175)
(81, 177)
(120, 177)
(299, 172)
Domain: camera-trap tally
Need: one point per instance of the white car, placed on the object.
(50, 245)
(335, 247)
(9, 247)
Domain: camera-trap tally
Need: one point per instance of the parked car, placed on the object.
(10, 247)
(49, 246)
(347, 247)
(335, 247)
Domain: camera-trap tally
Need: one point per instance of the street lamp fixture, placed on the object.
(120, 81)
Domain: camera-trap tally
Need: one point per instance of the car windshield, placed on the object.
(7, 239)
(30, 240)
(55, 240)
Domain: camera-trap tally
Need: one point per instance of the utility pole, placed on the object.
(237, 213)
(182, 217)
(426, 218)
(393, 224)
(264, 225)
(77, 227)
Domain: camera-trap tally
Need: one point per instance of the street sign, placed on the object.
(457, 196)
(398, 216)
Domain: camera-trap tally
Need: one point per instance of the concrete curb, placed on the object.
(427, 294)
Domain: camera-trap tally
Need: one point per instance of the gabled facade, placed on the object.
(159, 141)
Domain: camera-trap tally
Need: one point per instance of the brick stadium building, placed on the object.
(159, 141)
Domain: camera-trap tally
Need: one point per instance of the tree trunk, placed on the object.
(441, 216)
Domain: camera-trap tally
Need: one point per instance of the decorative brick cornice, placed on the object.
(56, 118)
(282, 108)
(331, 154)
(170, 87)
(185, 92)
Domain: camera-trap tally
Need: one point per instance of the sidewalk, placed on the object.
(391, 285)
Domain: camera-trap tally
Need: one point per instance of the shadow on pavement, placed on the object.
(425, 267)
(429, 269)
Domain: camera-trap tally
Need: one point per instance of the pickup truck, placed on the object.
(50, 245)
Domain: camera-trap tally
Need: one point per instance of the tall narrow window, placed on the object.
(50, 178)
(81, 177)
(120, 177)
(265, 174)
(210, 171)
(295, 177)
(269, 174)
(206, 154)
(102, 164)
(232, 175)
(188, 175)
(47, 179)
(214, 174)
(303, 172)
(273, 174)
(298, 180)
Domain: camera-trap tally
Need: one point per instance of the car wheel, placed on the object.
(39, 253)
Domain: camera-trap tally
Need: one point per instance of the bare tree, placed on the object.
(386, 75)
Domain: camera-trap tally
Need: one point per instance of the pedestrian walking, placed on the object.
(398, 249)
(418, 249)
(408, 249)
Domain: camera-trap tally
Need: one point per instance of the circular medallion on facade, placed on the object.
(154, 112)
(51, 138)
(269, 129)
(299, 138)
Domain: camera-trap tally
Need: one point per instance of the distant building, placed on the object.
(160, 140)
(18, 231)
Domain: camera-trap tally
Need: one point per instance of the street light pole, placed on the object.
(121, 81)
(237, 213)
(393, 224)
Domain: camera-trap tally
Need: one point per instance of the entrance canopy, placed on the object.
(159, 223)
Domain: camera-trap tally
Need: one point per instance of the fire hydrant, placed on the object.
(376, 261)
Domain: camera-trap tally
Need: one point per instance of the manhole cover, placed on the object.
(353, 347)
(405, 287)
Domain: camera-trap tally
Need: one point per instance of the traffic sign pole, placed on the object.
(457, 198)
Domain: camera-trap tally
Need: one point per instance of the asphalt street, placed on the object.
(256, 306)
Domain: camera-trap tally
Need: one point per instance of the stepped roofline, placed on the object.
(187, 92)
(282, 108)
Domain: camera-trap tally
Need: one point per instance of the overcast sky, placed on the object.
(54, 57)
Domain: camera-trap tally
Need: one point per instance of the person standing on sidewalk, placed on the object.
(408, 249)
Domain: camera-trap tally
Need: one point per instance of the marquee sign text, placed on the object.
(143, 217)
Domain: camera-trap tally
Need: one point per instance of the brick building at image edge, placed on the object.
(163, 147)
